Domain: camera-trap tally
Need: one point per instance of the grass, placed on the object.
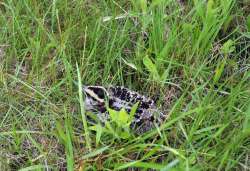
(200, 49)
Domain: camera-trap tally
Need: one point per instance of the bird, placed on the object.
(99, 98)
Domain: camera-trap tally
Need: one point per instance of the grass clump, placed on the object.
(197, 49)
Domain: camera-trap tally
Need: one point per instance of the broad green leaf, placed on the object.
(123, 117)
(133, 111)
(151, 67)
(113, 114)
(228, 47)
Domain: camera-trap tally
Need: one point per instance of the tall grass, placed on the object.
(199, 49)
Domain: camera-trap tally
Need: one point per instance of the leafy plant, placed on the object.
(154, 72)
(118, 125)
(226, 49)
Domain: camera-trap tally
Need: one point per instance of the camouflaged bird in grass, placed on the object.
(98, 98)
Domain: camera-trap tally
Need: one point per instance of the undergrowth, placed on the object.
(197, 49)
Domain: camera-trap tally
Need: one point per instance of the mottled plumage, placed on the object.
(115, 97)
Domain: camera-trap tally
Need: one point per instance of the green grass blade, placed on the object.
(95, 153)
(85, 125)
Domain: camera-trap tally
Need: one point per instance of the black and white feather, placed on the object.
(98, 98)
